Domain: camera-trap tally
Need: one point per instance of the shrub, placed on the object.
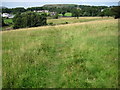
(101, 14)
(116, 12)
(66, 22)
(76, 13)
(51, 23)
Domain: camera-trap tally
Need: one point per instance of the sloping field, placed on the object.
(80, 55)
(70, 20)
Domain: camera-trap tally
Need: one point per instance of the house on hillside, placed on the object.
(46, 11)
(11, 16)
(52, 13)
(7, 15)
(102, 10)
(41, 11)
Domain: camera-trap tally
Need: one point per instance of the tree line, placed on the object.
(84, 10)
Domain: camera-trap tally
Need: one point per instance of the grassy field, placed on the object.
(79, 55)
(8, 21)
(70, 20)
(66, 14)
(63, 20)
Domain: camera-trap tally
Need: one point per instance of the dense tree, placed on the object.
(116, 11)
(3, 23)
(76, 13)
(101, 14)
(55, 16)
(29, 19)
(35, 8)
(18, 10)
(13, 10)
(62, 8)
(108, 12)
(91, 10)
(6, 10)
(18, 22)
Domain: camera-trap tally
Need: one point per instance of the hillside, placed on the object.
(2, 7)
(76, 55)
(60, 5)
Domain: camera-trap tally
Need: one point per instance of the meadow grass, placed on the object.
(66, 14)
(9, 24)
(69, 20)
(8, 21)
(80, 55)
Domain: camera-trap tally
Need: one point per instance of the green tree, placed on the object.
(101, 14)
(107, 12)
(3, 23)
(116, 11)
(76, 13)
(55, 16)
(18, 22)
(63, 13)
(6, 10)
(29, 19)
(18, 10)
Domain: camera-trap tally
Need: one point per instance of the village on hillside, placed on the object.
(8, 15)
(56, 11)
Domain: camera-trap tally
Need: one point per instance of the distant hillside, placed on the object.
(60, 5)
(70, 5)
(2, 7)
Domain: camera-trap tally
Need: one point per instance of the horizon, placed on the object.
(40, 4)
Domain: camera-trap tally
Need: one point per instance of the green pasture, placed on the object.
(76, 55)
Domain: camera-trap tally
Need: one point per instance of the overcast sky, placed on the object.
(33, 3)
(59, 0)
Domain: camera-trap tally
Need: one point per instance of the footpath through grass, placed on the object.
(69, 56)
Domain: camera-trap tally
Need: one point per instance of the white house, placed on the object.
(11, 16)
(102, 10)
(46, 11)
(52, 13)
(7, 15)
(41, 11)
